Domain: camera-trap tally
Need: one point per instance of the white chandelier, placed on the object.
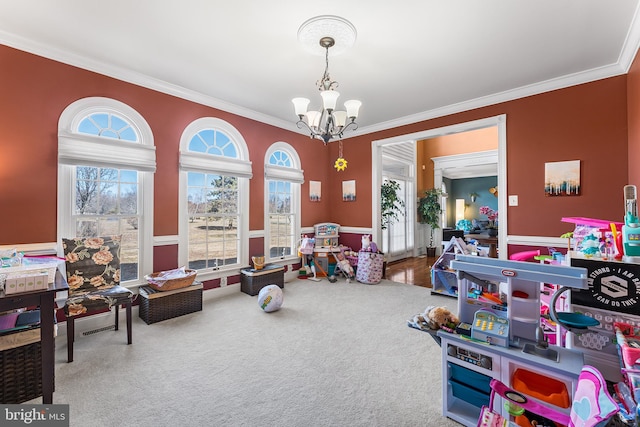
(328, 123)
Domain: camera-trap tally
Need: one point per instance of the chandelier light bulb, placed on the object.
(352, 106)
(313, 119)
(329, 99)
(300, 105)
(341, 118)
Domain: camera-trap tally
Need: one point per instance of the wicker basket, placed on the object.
(170, 285)
(258, 262)
(21, 373)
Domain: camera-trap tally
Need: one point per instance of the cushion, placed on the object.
(93, 274)
(592, 403)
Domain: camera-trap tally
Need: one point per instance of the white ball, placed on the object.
(270, 298)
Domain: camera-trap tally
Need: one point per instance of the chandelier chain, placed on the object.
(325, 82)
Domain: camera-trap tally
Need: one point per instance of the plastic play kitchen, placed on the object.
(500, 300)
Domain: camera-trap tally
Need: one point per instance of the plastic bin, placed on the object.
(469, 394)
(541, 387)
(471, 378)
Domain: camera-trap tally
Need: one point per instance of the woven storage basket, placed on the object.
(158, 306)
(171, 284)
(21, 373)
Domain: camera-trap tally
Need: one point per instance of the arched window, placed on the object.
(214, 197)
(283, 178)
(106, 161)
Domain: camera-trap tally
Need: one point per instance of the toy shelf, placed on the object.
(326, 236)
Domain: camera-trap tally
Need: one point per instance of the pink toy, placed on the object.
(592, 405)
(524, 256)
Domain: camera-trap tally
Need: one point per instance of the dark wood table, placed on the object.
(484, 238)
(45, 299)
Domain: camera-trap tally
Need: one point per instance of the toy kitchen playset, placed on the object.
(503, 338)
(500, 305)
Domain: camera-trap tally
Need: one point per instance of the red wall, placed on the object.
(586, 122)
(35, 91)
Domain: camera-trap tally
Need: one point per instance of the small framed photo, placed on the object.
(562, 178)
(315, 191)
(349, 191)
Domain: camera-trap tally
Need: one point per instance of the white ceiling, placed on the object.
(412, 59)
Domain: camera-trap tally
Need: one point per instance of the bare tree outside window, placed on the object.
(107, 204)
(213, 219)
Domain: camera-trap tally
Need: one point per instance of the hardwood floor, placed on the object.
(413, 271)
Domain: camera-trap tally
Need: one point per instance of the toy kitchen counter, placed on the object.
(468, 367)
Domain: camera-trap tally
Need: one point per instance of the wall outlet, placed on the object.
(513, 200)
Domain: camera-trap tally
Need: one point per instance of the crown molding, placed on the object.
(631, 43)
(139, 79)
(510, 95)
(627, 55)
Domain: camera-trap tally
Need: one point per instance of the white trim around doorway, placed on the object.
(499, 121)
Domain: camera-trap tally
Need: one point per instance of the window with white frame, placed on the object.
(214, 196)
(106, 161)
(283, 178)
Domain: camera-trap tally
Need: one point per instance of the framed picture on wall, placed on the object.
(562, 178)
(315, 191)
(349, 191)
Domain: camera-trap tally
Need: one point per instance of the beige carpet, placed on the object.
(335, 355)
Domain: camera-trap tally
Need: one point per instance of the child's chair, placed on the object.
(592, 404)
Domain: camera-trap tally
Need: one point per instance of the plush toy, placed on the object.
(435, 318)
(441, 318)
(366, 242)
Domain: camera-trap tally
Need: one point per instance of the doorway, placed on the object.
(398, 164)
(421, 230)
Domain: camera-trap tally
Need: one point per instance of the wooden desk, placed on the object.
(45, 300)
(487, 240)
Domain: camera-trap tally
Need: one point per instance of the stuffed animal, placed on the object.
(441, 318)
(366, 242)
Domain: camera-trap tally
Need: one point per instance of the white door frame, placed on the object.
(499, 121)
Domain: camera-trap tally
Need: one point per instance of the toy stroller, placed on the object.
(343, 265)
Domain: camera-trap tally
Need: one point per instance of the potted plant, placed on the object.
(429, 210)
(390, 204)
(492, 216)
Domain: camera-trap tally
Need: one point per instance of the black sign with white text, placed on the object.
(613, 286)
